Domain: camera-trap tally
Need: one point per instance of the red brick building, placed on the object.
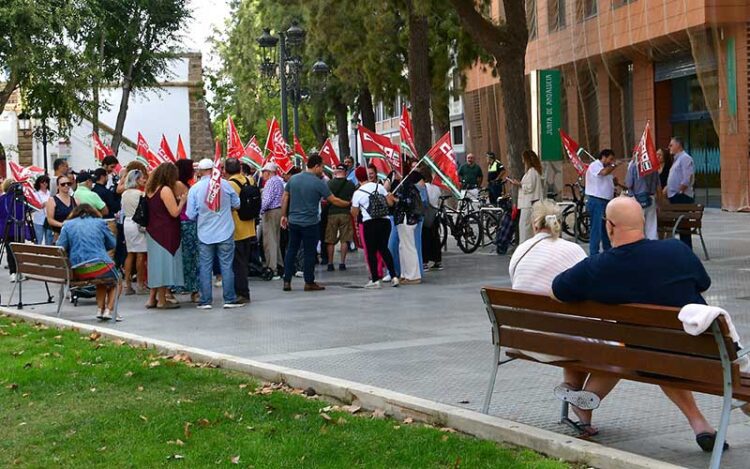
(681, 64)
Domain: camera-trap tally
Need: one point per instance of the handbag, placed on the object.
(644, 198)
(140, 216)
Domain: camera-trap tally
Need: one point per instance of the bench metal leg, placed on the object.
(493, 376)
(12, 291)
(721, 432)
(703, 243)
(564, 415)
(60, 299)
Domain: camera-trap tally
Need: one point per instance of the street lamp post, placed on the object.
(355, 128)
(289, 69)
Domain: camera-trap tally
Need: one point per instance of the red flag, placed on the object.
(442, 160)
(299, 152)
(381, 166)
(213, 195)
(234, 144)
(165, 153)
(647, 160)
(253, 154)
(100, 149)
(143, 151)
(181, 154)
(407, 134)
(26, 177)
(574, 152)
(376, 146)
(283, 162)
(392, 154)
(328, 153)
(277, 146)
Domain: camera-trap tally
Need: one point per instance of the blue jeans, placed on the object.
(43, 235)
(307, 237)
(686, 238)
(225, 253)
(598, 235)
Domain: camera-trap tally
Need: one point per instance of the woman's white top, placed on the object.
(40, 215)
(546, 258)
(532, 188)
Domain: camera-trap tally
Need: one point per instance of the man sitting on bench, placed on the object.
(636, 270)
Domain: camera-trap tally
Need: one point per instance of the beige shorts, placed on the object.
(339, 228)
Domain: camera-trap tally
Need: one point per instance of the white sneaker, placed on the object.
(16, 278)
(395, 282)
(12, 278)
(276, 277)
(299, 274)
(204, 307)
(106, 315)
(218, 283)
(372, 285)
(233, 304)
(387, 278)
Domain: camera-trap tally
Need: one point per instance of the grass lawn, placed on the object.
(77, 401)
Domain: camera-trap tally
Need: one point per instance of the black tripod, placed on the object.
(17, 224)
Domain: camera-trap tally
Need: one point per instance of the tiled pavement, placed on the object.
(433, 341)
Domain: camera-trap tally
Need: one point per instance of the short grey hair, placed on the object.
(131, 180)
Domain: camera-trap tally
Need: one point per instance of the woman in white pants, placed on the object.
(531, 189)
(406, 216)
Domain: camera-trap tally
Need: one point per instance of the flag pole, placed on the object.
(407, 175)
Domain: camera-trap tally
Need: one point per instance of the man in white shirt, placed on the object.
(600, 188)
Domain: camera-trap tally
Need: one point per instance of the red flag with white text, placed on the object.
(442, 160)
(100, 149)
(328, 153)
(234, 144)
(253, 154)
(165, 153)
(26, 177)
(299, 152)
(574, 152)
(181, 154)
(645, 150)
(392, 154)
(407, 134)
(376, 146)
(213, 195)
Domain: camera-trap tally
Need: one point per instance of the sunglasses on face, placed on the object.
(65, 184)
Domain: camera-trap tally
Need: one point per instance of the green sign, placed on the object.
(550, 146)
(731, 78)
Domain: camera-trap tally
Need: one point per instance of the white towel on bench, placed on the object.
(697, 318)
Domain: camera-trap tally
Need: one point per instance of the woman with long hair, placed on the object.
(87, 239)
(60, 205)
(42, 192)
(666, 159)
(163, 235)
(188, 232)
(531, 189)
(135, 236)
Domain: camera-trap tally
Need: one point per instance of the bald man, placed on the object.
(635, 270)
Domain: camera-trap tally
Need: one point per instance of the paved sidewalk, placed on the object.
(433, 341)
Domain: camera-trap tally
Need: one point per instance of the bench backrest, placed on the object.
(44, 263)
(640, 338)
(692, 216)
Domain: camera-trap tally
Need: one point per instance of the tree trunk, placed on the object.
(341, 112)
(366, 108)
(121, 115)
(317, 121)
(441, 112)
(419, 80)
(8, 89)
(507, 43)
(95, 89)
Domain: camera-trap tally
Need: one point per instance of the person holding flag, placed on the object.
(600, 189)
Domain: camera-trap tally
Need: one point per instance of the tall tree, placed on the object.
(420, 88)
(506, 40)
(141, 39)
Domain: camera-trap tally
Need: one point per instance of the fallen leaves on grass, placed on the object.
(177, 442)
(12, 386)
(143, 417)
(128, 374)
(203, 423)
(378, 414)
(186, 429)
(235, 459)
(154, 364)
(18, 353)
(325, 416)
(352, 409)
(408, 420)
(448, 430)
(94, 336)
(175, 457)
(119, 342)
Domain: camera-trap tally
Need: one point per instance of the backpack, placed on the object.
(377, 205)
(249, 201)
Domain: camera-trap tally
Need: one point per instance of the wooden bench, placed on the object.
(644, 343)
(50, 264)
(673, 219)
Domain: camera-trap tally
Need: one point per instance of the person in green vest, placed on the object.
(495, 177)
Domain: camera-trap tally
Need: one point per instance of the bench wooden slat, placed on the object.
(43, 271)
(651, 337)
(645, 315)
(697, 369)
(37, 249)
(44, 260)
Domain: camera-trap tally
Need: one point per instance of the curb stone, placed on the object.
(394, 404)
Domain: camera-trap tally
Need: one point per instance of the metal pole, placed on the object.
(44, 145)
(295, 112)
(282, 76)
(356, 148)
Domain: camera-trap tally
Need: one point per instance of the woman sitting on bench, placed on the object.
(87, 238)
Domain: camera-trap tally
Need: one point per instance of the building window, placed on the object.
(586, 9)
(619, 3)
(531, 18)
(458, 135)
(556, 14)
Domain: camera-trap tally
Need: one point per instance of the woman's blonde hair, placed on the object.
(546, 214)
(7, 183)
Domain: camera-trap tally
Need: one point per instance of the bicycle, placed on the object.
(463, 222)
(491, 215)
(576, 221)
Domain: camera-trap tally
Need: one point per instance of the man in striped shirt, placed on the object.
(270, 210)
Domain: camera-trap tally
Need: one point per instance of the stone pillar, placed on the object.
(201, 130)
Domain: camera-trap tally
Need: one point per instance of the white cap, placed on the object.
(270, 167)
(205, 163)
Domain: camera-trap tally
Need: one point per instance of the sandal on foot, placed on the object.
(585, 430)
(150, 306)
(584, 400)
(706, 441)
(168, 306)
(129, 291)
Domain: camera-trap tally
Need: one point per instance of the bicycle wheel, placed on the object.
(469, 233)
(584, 227)
(442, 233)
(491, 224)
(568, 220)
